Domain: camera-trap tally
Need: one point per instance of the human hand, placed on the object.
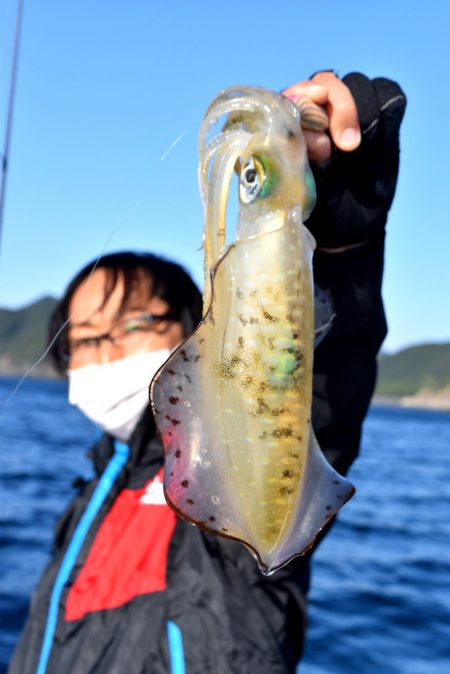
(329, 115)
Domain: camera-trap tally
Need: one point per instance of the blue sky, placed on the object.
(105, 88)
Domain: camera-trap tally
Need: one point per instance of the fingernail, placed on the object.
(292, 97)
(350, 137)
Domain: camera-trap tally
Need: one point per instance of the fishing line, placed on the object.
(125, 221)
(9, 114)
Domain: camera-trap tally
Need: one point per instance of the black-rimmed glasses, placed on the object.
(127, 333)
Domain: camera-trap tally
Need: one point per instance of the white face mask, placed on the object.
(114, 395)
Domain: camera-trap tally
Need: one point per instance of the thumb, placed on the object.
(344, 125)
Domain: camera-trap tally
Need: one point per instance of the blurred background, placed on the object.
(103, 157)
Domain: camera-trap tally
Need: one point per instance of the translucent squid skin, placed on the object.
(233, 403)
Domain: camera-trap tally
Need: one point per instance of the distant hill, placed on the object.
(417, 368)
(23, 338)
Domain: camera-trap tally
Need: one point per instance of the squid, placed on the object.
(233, 402)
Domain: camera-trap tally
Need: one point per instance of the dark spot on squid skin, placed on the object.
(185, 484)
(328, 507)
(197, 358)
(212, 518)
(190, 501)
(282, 433)
(336, 482)
(277, 411)
(295, 335)
(271, 344)
(175, 422)
(287, 474)
(294, 456)
(263, 435)
(171, 474)
(173, 400)
(262, 388)
(338, 496)
(290, 135)
(248, 381)
(239, 293)
(289, 318)
(276, 387)
(253, 320)
(169, 433)
(286, 491)
(241, 342)
(243, 320)
(223, 529)
(171, 372)
(179, 388)
(167, 417)
(224, 372)
(188, 378)
(299, 438)
(156, 411)
(183, 354)
(262, 406)
(178, 453)
(200, 341)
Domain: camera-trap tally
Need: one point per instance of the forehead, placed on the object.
(97, 301)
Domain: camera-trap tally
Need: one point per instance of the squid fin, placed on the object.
(324, 492)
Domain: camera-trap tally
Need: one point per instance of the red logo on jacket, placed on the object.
(129, 554)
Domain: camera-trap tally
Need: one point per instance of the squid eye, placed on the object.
(251, 181)
(256, 179)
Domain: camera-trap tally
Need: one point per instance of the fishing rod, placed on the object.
(9, 118)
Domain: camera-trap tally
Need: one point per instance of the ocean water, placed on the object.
(380, 599)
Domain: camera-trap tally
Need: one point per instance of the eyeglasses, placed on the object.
(127, 333)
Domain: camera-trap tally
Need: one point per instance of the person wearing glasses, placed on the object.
(126, 313)
(130, 587)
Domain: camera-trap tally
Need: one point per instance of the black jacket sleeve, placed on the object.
(355, 191)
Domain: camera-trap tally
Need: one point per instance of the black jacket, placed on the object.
(132, 589)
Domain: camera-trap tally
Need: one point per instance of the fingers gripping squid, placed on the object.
(233, 402)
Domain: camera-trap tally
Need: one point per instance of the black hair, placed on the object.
(166, 280)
